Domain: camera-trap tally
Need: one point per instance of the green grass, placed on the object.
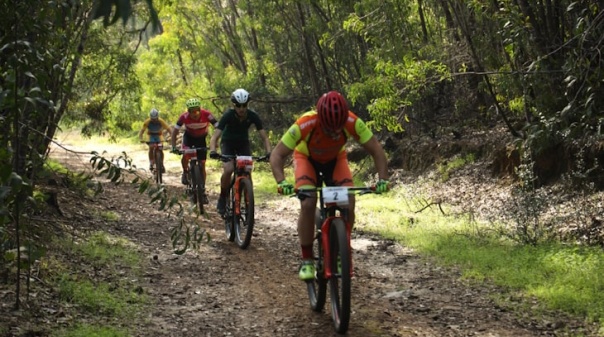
(113, 296)
(453, 164)
(80, 182)
(102, 297)
(102, 249)
(561, 277)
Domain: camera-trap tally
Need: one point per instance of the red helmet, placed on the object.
(332, 110)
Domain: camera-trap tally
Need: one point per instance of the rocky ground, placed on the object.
(221, 290)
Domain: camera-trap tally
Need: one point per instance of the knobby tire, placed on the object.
(229, 217)
(157, 157)
(198, 188)
(317, 288)
(244, 223)
(340, 282)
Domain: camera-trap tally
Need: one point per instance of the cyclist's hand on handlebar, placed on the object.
(382, 186)
(214, 155)
(285, 188)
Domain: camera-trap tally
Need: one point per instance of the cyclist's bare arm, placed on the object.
(265, 140)
(140, 134)
(174, 136)
(374, 148)
(278, 156)
(214, 139)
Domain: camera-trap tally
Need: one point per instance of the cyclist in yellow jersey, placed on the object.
(153, 128)
(317, 140)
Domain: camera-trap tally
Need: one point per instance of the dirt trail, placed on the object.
(221, 290)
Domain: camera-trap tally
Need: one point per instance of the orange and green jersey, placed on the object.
(307, 137)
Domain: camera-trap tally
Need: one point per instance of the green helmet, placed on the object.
(193, 103)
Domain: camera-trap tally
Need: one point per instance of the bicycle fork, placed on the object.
(236, 187)
(325, 240)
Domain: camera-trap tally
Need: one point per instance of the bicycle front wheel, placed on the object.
(340, 281)
(317, 288)
(244, 221)
(229, 217)
(198, 188)
(158, 158)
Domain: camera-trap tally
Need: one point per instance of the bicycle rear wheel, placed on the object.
(244, 221)
(340, 281)
(157, 157)
(317, 288)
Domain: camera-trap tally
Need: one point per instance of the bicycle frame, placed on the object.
(333, 234)
(158, 157)
(239, 211)
(329, 211)
(193, 155)
(243, 167)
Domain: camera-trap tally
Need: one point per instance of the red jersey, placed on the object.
(195, 127)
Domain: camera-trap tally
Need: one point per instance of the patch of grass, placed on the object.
(81, 182)
(447, 167)
(101, 298)
(562, 277)
(109, 216)
(102, 249)
(111, 295)
(91, 331)
(54, 166)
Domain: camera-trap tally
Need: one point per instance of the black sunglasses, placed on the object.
(237, 105)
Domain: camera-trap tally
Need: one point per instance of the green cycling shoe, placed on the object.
(307, 270)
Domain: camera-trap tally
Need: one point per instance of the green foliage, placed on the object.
(113, 10)
(529, 203)
(449, 166)
(395, 87)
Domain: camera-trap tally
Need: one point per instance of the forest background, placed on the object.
(410, 68)
(427, 69)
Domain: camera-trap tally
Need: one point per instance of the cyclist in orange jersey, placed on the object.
(317, 140)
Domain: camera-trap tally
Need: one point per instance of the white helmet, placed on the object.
(154, 113)
(240, 96)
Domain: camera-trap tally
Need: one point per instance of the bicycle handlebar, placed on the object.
(229, 157)
(194, 150)
(304, 192)
(351, 190)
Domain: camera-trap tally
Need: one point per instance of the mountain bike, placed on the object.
(196, 186)
(332, 251)
(239, 211)
(158, 159)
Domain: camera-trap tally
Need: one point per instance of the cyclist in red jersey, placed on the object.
(317, 140)
(196, 122)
